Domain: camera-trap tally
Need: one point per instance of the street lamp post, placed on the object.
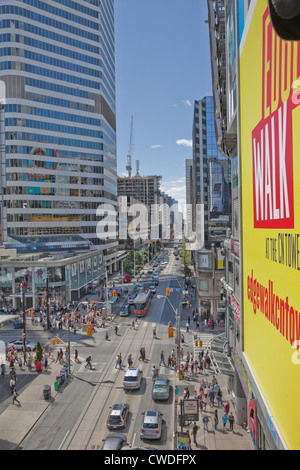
(22, 295)
(177, 317)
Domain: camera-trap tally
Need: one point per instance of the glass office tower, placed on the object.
(57, 62)
(211, 175)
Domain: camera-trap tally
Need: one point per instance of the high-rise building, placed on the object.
(57, 145)
(211, 190)
(57, 63)
(188, 195)
(211, 174)
(145, 189)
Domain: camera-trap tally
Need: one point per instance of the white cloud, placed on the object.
(186, 103)
(157, 146)
(185, 142)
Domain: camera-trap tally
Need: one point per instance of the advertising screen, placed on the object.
(270, 192)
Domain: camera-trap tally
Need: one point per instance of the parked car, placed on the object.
(161, 389)
(114, 442)
(151, 425)
(18, 344)
(132, 379)
(118, 416)
(124, 312)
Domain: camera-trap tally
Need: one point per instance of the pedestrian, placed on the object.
(176, 393)
(226, 407)
(15, 394)
(224, 420)
(162, 359)
(12, 384)
(219, 397)
(216, 419)
(194, 431)
(129, 360)
(212, 398)
(89, 362)
(231, 421)
(3, 370)
(205, 422)
(76, 355)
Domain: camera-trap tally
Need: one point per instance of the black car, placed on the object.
(114, 442)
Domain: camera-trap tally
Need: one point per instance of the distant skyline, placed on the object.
(162, 66)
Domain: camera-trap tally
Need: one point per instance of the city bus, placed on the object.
(142, 303)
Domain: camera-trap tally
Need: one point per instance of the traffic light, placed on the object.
(23, 335)
(168, 291)
(196, 343)
(114, 293)
(170, 331)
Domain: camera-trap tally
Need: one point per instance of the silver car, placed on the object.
(151, 425)
(132, 379)
(161, 389)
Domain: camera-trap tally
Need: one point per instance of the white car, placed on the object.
(18, 344)
(132, 379)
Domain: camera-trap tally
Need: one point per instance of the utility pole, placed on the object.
(22, 295)
(106, 278)
(47, 302)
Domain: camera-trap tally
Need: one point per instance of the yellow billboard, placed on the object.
(270, 198)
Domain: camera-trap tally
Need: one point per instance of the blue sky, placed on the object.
(162, 66)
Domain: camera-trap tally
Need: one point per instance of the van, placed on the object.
(132, 379)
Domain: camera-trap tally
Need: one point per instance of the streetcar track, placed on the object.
(103, 383)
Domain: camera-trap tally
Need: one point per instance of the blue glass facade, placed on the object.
(211, 168)
(58, 65)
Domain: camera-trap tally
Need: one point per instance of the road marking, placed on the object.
(115, 397)
(62, 442)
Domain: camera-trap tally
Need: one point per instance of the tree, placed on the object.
(38, 352)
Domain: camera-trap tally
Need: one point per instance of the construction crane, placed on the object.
(129, 167)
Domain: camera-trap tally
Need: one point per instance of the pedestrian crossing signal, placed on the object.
(89, 330)
(196, 342)
(168, 291)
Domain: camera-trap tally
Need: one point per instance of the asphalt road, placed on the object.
(77, 418)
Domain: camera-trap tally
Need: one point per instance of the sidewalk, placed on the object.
(219, 439)
(17, 420)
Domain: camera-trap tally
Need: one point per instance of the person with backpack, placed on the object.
(89, 362)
